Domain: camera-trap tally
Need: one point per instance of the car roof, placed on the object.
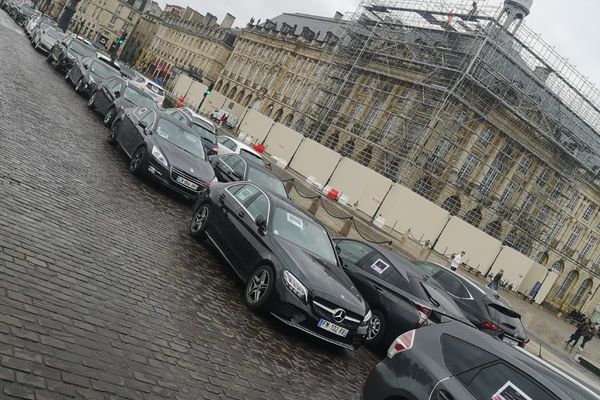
(194, 115)
(244, 146)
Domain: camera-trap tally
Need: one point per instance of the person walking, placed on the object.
(495, 283)
(456, 261)
(581, 329)
(587, 336)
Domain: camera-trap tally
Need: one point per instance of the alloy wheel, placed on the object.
(137, 159)
(257, 287)
(67, 75)
(108, 117)
(112, 135)
(200, 218)
(78, 86)
(374, 327)
(92, 99)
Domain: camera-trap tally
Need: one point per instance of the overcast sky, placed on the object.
(568, 25)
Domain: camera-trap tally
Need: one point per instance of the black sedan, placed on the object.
(398, 294)
(65, 52)
(449, 361)
(86, 73)
(161, 148)
(481, 305)
(233, 167)
(22, 13)
(286, 260)
(115, 94)
(204, 128)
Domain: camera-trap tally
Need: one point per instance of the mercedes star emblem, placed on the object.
(339, 315)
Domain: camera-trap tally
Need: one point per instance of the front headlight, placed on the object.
(159, 156)
(215, 180)
(367, 317)
(294, 285)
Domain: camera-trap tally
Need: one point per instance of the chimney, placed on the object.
(228, 21)
(337, 16)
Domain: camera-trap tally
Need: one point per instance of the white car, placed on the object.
(228, 145)
(152, 88)
(46, 39)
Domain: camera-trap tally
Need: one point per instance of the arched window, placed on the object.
(278, 114)
(558, 266)
(269, 110)
(542, 258)
(225, 88)
(218, 86)
(494, 229)
(423, 187)
(365, 155)
(240, 96)
(582, 293)
(452, 204)
(232, 93)
(473, 217)
(333, 140)
(289, 120)
(348, 148)
(567, 283)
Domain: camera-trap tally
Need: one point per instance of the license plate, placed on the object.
(510, 341)
(186, 183)
(333, 328)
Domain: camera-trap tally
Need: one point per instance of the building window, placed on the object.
(589, 211)
(560, 224)
(573, 237)
(573, 201)
(473, 217)
(591, 242)
(486, 137)
(566, 285)
(527, 204)
(543, 177)
(525, 164)
(494, 229)
(507, 195)
(596, 265)
(414, 131)
(582, 293)
(540, 219)
(467, 169)
(452, 204)
(558, 190)
(440, 152)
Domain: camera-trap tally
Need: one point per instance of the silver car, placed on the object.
(47, 38)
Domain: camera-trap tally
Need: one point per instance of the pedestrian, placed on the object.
(495, 283)
(581, 328)
(456, 261)
(588, 335)
(222, 119)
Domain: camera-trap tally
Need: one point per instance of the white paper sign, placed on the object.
(510, 392)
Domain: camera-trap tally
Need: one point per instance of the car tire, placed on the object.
(79, 85)
(138, 161)
(199, 221)
(68, 75)
(109, 117)
(112, 135)
(91, 101)
(257, 293)
(375, 329)
(49, 58)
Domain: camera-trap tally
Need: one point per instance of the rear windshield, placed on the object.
(155, 89)
(81, 49)
(506, 318)
(266, 181)
(204, 133)
(27, 10)
(137, 98)
(54, 34)
(251, 156)
(103, 70)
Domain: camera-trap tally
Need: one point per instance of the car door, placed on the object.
(108, 94)
(224, 167)
(354, 256)
(129, 128)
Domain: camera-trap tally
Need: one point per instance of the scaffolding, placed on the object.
(467, 107)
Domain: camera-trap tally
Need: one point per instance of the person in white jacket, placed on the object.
(456, 261)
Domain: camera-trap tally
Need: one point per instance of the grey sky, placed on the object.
(568, 25)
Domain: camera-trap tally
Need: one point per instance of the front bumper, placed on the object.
(163, 176)
(45, 46)
(88, 88)
(295, 313)
(64, 64)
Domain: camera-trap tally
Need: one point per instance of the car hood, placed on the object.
(321, 279)
(184, 161)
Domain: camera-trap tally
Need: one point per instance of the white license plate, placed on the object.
(510, 341)
(333, 328)
(186, 183)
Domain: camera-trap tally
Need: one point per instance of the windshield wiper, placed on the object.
(431, 298)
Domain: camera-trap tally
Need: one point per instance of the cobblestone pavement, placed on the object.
(103, 295)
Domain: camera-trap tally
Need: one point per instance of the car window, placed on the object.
(178, 116)
(259, 206)
(118, 87)
(506, 318)
(251, 155)
(148, 118)
(450, 283)
(87, 61)
(266, 181)
(460, 356)
(204, 133)
(102, 70)
(135, 97)
(226, 142)
(244, 193)
(352, 250)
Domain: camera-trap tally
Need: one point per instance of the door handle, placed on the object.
(241, 214)
(443, 395)
(378, 287)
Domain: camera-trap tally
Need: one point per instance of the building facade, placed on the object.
(53, 8)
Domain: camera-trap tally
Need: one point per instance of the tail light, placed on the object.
(402, 343)
(490, 326)
(423, 316)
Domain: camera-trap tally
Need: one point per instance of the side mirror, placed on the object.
(143, 124)
(85, 66)
(261, 222)
(117, 94)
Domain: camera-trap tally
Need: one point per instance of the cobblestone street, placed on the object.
(103, 294)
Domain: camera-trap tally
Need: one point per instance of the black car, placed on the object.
(115, 94)
(162, 149)
(398, 294)
(65, 52)
(286, 260)
(481, 305)
(449, 361)
(205, 129)
(22, 13)
(86, 73)
(234, 167)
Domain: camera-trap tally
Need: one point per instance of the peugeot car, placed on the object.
(112, 96)
(162, 149)
(65, 52)
(86, 73)
(286, 260)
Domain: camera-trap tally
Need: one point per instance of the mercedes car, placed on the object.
(65, 52)
(114, 95)
(162, 149)
(286, 260)
(86, 73)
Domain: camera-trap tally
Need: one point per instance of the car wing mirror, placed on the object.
(117, 94)
(143, 124)
(237, 175)
(85, 66)
(261, 223)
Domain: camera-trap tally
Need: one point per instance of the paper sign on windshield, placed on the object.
(380, 266)
(510, 392)
(292, 219)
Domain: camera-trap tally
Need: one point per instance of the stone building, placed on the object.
(275, 65)
(53, 8)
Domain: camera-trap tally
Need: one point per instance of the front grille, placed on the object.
(175, 172)
(324, 309)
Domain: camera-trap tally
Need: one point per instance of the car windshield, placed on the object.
(27, 10)
(506, 318)
(54, 34)
(266, 181)
(102, 70)
(304, 233)
(204, 133)
(155, 89)
(180, 137)
(137, 98)
(81, 49)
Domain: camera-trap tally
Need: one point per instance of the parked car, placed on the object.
(163, 149)
(286, 260)
(65, 52)
(41, 24)
(233, 167)
(31, 23)
(86, 73)
(47, 38)
(107, 60)
(205, 129)
(398, 294)
(152, 88)
(451, 361)
(481, 305)
(229, 145)
(114, 95)
(22, 13)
